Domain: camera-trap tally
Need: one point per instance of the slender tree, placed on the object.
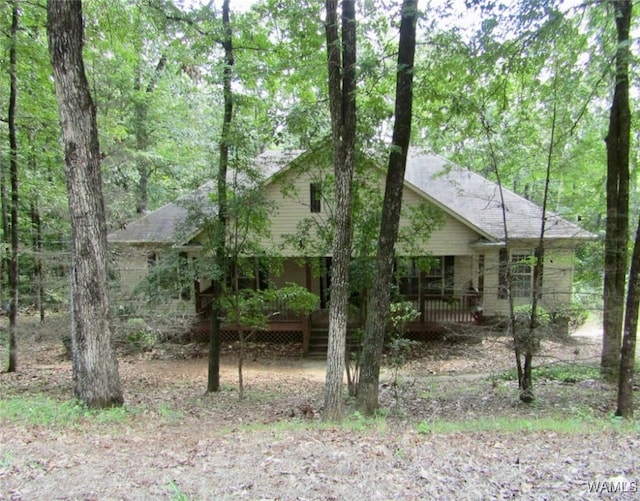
(220, 230)
(95, 368)
(378, 309)
(617, 225)
(342, 103)
(13, 175)
(627, 353)
(38, 282)
(141, 126)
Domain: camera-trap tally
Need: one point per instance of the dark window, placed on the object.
(449, 275)
(408, 278)
(249, 273)
(315, 196)
(184, 276)
(439, 278)
(433, 276)
(503, 281)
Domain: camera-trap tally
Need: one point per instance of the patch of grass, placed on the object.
(176, 492)
(6, 460)
(44, 411)
(260, 395)
(572, 373)
(519, 425)
(567, 373)
(167, 412)
(114, 415)
(360, 423)
(41, 410)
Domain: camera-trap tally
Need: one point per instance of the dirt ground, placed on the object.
(174, 441)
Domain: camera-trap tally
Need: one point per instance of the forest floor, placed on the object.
(451, 427)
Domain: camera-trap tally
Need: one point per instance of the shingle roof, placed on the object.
(477, 201)
(467, 196)
(165, 225)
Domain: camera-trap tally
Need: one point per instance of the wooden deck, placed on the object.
(284, 326)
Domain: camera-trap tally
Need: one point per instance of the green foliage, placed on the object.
(522, 314)
(572, 314)
(139, 335)
(253, 308)
(169, 277)
(401, 313)
(566, 317)
(399, 347)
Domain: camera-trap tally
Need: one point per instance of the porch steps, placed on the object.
(319, 342)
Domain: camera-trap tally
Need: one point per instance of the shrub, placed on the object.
(522, 315)
(569, 315)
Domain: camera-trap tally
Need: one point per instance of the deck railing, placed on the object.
(459, 308)
(454, 309)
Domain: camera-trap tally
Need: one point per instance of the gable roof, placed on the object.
(477, 202)
(173, 223)
(165, 225)
(470, 198)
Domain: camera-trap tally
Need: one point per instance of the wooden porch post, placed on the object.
(421, 299)
(196, 289)
(306, 323)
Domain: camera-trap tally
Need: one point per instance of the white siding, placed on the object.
(292, 210)
(132, 266)
(556, 280)
(291, 199)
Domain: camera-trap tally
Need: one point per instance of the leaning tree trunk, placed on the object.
(13, 174)
(95, 368)
(617, 227)
(378, 308)
(342, 102)
(628, 352)
(220, 230)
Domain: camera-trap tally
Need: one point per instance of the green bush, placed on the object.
(522, 315)
(572, 315)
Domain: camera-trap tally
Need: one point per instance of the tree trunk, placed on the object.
(617, 226)
(378, 308)
(628, 352)
(342, 102)
(142, 135)
(95, 368)
(13, 175)
(36, 225)
(220, 231)
(525, 378)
